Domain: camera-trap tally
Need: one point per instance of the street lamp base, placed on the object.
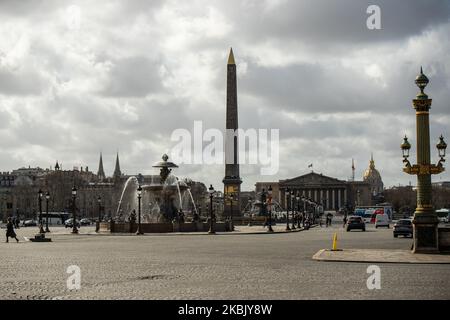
(288, 229)
(211, 232)
(74, 231)
(139, 233)
(41, 229)
(270, 229)
(425, 233)
(47, 230)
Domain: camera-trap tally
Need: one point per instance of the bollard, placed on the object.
(335, 242)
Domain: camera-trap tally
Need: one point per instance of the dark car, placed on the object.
(355, 222)
(403, 227)
(69, 223)
(29, 223)
(85, 222)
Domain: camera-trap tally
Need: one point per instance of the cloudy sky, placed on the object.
(80, 77)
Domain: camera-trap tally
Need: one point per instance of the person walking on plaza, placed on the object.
(345, 220)
(10, 230)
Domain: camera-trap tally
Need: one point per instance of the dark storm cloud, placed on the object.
(329, 22)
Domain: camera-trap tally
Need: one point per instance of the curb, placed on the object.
(380, 256)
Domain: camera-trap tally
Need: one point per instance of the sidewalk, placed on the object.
(380, 256)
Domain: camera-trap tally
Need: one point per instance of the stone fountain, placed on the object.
(165, 195)
(163, 200)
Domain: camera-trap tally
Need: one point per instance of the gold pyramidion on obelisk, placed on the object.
(231, 57)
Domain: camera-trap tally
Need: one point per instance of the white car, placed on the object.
(382, 220)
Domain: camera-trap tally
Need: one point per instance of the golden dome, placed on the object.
(371, 174)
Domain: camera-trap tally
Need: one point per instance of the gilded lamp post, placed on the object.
(425, 220)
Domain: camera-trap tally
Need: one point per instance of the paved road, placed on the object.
(258, 266)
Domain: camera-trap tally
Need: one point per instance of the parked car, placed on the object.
(443, 219)
(355, 222)
(382, 220)
(69, 223)
(85, 222)
(29, 223)
(403, 227)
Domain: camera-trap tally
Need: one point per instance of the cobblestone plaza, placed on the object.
(200, 266)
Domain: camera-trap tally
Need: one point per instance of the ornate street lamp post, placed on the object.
(297, 197)
(288, 193)
(358, 198)
(293, 209)
(211, 219)
(425, 222)
(47, 197)
(99, 201)
(263, 199)
(74, 215)
(231, 198)
(304, 210)
(139, 194)
(41, 226)
(269, 229)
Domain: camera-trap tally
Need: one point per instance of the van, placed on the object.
(382, 220)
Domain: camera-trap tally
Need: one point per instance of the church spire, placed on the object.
(372, 162)
(57, 166)
(117, 172)
(101, 172)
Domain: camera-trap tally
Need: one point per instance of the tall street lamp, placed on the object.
(47, 197)
(231, 198)
(211, 222)
(263, 200)
(297, 197)
(425, 222)
(41, 226)
(269, 229)
(304, 210)
(293, 209)
(288, 193)
(139, 194)
(358, 197)
(99, 201)
(74, 215)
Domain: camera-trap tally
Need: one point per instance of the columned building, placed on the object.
(333, 194)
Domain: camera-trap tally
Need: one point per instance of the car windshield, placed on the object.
(404, 222)
(355, 219)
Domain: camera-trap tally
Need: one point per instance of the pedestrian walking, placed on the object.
(17, 222)
(10, 230)
(345, 221)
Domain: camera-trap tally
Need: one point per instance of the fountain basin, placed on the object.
(164, 227)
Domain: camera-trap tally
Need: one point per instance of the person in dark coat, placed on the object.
(10, 230)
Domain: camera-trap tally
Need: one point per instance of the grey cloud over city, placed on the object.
(80, 77)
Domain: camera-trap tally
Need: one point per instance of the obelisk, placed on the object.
(232, 181)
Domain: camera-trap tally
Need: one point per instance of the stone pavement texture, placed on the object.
(378, 255)
(254, 266)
